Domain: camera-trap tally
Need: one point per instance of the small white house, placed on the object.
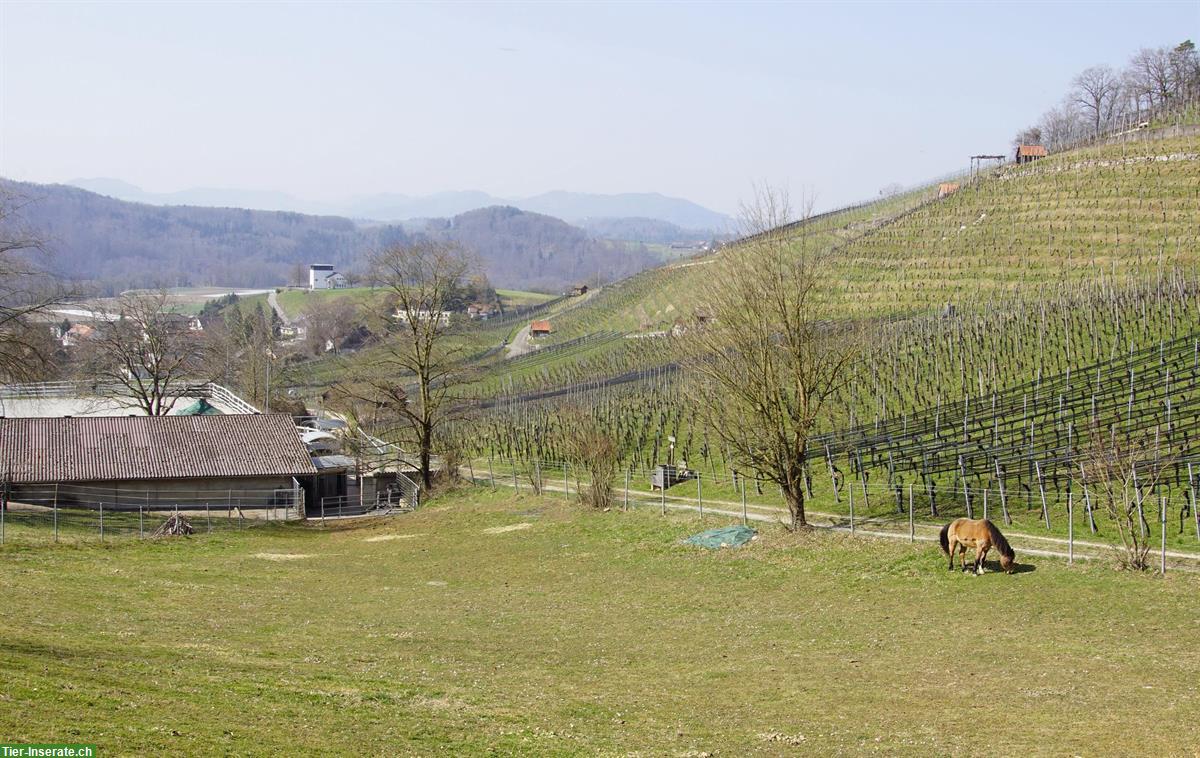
(423, 316)
(321, 276)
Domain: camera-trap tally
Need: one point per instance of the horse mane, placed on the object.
(944, 538)
(998, 540)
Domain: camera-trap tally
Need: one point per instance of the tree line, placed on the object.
(1102, 98)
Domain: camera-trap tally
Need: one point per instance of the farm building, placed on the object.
(947, 188)
(1030, 153)
(159, 459)
(480, 311)
(539, 328)
(321, 276)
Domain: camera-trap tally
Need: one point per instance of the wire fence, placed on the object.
(81, 512)
(1077, 523)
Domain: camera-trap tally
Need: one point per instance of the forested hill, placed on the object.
(536, 251)
(118, 244)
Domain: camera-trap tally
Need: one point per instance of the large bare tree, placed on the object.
(1098, 92)
(766, 361)
(27, 294)
(148, 352)
(412, 379)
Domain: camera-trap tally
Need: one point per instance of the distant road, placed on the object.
(274, 303)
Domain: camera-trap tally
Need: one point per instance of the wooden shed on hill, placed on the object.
(1030, 153)
(539, 328)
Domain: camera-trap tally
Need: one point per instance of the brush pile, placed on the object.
(175, 526)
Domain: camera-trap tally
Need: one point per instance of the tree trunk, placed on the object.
(793, 493)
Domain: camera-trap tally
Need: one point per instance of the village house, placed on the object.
(480, 311)
(423, 316)
(321, 276)
(539, 328)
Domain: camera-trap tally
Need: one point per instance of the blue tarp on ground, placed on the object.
(726, 536)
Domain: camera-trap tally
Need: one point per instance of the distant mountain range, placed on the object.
(573, 207)
(117, 244)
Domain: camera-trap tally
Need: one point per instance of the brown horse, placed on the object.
(980, 534)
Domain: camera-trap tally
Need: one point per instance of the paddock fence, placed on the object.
(70, 512)
(1071, 524)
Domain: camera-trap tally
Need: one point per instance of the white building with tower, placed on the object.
(321, 276)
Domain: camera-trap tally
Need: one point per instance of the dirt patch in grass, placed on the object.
(509, 528)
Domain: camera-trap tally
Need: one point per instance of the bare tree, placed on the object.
(1151, 74)
(1185, 69)
(328, 322)
(150, 353)
(27, 294)
(412, 378)
(1060, 126)
(1031, 135)
(1097, 92)
(765, 362)
(1121, 474)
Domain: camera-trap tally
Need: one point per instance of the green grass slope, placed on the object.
(583, 634)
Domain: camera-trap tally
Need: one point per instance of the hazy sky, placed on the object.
(696, 100)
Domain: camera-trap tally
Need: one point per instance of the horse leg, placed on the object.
(980, 554)
(962, 555)
(953, 546)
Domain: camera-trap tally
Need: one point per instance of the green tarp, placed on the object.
(726, 536)
(199, 408)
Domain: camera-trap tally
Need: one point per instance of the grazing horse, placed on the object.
(980, 534)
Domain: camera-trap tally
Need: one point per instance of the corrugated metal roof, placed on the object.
(91, 449)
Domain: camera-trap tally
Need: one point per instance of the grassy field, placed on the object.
(584, 634)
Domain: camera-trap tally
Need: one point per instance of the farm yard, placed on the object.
(516, 624)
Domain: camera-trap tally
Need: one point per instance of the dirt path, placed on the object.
(274, 303)
(520, 344)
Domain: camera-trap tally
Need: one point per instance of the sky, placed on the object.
(696, 100)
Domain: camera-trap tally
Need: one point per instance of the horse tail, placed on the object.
(999, 541)
(944, 538)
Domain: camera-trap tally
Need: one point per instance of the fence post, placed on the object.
(208, 517)
(3, 508)
(56, 511)
(985, 505)
(700, 495)
(1003, 496)
(850, 490)
(567, 482)
(742, 481)
(912, 527)
(625, 507)
(1042, 491)
(537, 474)
(1162, 528)
(141, 523)
(1070, 528)
(662, 494)
(322, 511)
(491, 473)
(102, 521)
